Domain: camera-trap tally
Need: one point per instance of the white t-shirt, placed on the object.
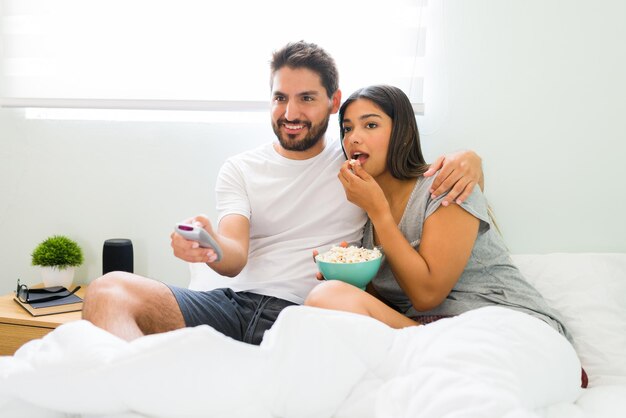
(294, 207)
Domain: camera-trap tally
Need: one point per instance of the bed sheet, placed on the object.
(312, 363)
(321, 363)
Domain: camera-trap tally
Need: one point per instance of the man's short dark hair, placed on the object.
(310, 56)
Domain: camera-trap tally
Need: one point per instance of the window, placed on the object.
(195, 54)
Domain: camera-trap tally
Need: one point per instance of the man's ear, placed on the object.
(336, 99)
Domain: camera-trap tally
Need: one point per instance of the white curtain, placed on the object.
(196, 54)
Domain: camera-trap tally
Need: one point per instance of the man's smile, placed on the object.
(293, 128)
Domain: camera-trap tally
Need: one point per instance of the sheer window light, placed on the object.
(196, 55)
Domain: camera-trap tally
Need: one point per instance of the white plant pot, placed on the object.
(53, 276)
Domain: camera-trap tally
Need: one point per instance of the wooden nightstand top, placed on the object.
(12, 313)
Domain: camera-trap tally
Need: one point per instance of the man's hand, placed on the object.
(191, 251)
(460, 172)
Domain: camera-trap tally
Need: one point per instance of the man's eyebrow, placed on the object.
(304, 93)
(309, 93)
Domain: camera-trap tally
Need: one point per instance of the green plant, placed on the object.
(57, 251)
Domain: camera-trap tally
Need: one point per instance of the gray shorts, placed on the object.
(243, 316)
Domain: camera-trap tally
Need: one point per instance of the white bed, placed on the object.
(316, 363)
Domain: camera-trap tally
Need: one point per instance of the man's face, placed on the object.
(300, 108)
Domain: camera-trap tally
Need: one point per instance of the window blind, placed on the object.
(193, 54)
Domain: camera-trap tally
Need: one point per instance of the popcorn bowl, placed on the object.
(357, 274)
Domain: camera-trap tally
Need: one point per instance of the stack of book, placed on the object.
(67, 303)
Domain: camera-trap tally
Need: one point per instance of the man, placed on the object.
(276, 204)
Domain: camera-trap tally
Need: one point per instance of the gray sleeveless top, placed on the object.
(490, 277)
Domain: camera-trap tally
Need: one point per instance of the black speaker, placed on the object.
(117, 255)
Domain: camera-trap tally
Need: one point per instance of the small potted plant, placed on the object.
(57, 256)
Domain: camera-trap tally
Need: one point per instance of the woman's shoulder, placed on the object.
(476, 203)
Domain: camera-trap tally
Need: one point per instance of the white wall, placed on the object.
(538, 88)
(97, 180)
(535, 87)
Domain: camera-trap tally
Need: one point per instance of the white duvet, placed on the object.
(492, 362)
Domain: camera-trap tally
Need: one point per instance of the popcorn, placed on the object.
(350, 254)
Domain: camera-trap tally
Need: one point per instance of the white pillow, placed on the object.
(589, 291)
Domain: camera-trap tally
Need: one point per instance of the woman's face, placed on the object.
(367, 131)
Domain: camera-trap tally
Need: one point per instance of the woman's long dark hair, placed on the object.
(404, 157)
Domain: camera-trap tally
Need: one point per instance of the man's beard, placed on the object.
(314, 134)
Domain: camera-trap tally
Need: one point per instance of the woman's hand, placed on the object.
(361, 189)
(319, 275)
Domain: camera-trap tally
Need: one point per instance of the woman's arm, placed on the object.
(428, 275)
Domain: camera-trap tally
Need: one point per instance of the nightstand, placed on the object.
(18, 326)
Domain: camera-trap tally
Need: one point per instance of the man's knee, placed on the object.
(103, 286)
(104, 292)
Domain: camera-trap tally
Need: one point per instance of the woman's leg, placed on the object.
(130, 306)
(341, 296)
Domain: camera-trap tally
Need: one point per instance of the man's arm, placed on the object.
(460, 172)
(233, 237)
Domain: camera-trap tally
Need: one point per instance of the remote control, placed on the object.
(198, 234)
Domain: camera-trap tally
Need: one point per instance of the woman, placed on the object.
(440, 261)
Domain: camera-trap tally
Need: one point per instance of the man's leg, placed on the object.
(130, 306)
